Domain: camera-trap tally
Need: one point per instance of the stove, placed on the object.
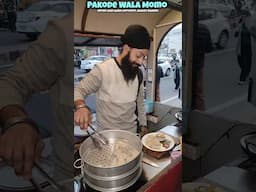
(248, 165)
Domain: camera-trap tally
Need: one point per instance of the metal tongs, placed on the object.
(99, 140)
(36, 185)
(51, 181)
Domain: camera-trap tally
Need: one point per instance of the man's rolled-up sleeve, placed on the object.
(36, 70)
(89, 84)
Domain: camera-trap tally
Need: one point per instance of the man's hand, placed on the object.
(143, 131)
(82, 117)
(20, 147)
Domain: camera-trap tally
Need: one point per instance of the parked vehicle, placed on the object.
(226, 7)
(164, 63)
(78, 78)
(3, 16)
(90, 62)
(167, 65)
(253, 10)
(77, 63)
(33, 20)
(217, 24)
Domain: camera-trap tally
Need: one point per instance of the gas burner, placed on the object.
(249, 165)
(178, 124)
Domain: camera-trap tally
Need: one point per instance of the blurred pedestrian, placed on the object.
(251, 24)
(176, 61)
(159, 74)
(177, 77)
(10, 8)
(244, 50)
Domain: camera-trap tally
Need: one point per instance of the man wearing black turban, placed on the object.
(116, 82)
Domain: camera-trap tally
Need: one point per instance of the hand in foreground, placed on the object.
(20, 147)
(82, 117)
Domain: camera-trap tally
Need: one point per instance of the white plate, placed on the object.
(9, 180)
(79, 132)
(82, 133)
(162, 149)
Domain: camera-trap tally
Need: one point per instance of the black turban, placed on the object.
(136, 36)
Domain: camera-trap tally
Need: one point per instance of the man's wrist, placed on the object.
(18, 120)
(77, 107)
(142, 127)
(11, 111)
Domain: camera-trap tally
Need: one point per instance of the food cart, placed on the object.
(104, 28)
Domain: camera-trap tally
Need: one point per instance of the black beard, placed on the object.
(129, 70)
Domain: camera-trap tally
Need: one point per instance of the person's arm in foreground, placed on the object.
(36, 70)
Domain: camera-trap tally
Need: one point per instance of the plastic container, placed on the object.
(149, 106)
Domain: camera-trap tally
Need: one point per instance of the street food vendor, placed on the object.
(117, 84)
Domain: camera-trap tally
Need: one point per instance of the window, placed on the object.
(220, 1)
(61, 8)
(206, 14)
(169, 66)
(38, 7)
(70, 6)
(96, 58)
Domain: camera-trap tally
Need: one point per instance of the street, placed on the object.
(167, 89)
(9, 39)
(223, 96)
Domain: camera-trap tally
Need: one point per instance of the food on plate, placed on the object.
(111, 155)
(160, 136)
(166, 143)
(158, 141)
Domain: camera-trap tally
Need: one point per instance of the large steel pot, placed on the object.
(111, 184)
(113, 178)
